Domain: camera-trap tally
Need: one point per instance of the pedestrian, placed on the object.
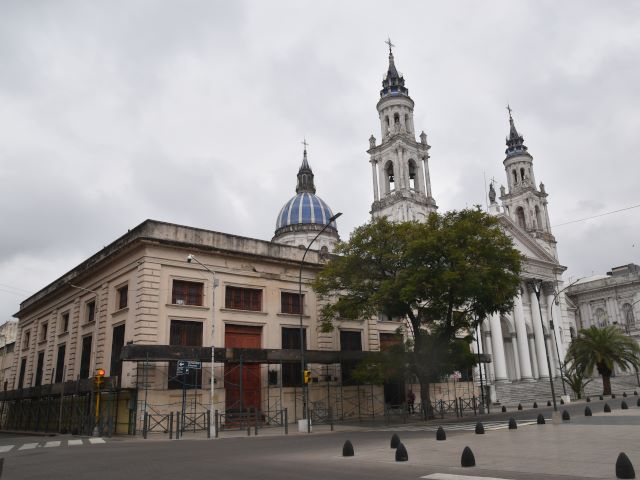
(411, 398)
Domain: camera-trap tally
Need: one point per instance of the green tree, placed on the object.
(575, 376)
(603, 348)
(439, 277)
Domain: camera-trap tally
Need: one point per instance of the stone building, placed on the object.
(611, 299)
(8, 332)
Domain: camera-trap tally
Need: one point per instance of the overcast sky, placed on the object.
(193, 112)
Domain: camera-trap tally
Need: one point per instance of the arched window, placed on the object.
(412, 175)
(538, 218)
(572, 332)
(601, 318)
(515, 176)
(522, 175)
(627, 315)
(396, 118)
(391, 183)
(521, 218)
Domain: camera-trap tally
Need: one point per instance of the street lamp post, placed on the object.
(303, 363)
(537, 287)
(192, 258)
(629, 315)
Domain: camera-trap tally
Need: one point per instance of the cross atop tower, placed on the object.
(509, 109)
(388, 42)
(304, 142)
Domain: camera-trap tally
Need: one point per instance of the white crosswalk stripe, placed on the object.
(72, 443)
(28, 446)
(6, 448)
(96, 440)
(52, 444)
(449, 476)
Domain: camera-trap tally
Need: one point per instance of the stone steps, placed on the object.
(540, 390)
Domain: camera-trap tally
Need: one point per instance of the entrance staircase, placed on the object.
(540, 390)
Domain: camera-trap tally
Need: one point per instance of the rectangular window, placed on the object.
(349, 342)
(62, 350)
(290, 302)
(64, 327)
(292, 372)
(243, 299)
(186, 293)
(39, 367)
(27, 339)
(116, 348)
(85, 359)
(123, 297)
(23, 369)
(187, 334)
(90, 311)
(44, 330)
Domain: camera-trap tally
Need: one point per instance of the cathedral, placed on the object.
(242, 309)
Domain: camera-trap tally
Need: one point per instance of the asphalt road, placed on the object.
(297, 456)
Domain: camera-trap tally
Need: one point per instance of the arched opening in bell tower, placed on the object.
(412, 174)
(538, 218)
(520, 217)
(391, 184)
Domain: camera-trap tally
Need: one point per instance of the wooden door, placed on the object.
(242, 381)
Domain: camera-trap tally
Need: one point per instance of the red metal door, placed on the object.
(242, 381)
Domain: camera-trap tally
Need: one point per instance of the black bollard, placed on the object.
(535, 404)
(479, 428)
(588, 399)
(613, 395)
(601, 397)
(561, 402)
(440, 434)
(401, 453)
(587, 412)
(624, 405)
(519, 406)
(624, 394)
(468, 460)
(638, 403)
(504, 409)
(548, 403)
(540, 419)
(512, 424)
(347, 449)
(635, 392)
(565, 416)
(624, 468)
(607, 408)
(395, 440)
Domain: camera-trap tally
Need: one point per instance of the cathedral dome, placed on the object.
(305, 208)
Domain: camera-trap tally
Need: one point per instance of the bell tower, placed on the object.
(525, 203)
(399, 164)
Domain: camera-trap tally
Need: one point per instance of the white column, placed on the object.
(539, 333)
(554, 314)
(382, 177)
(427, 177)
(491, 373)
(516, 358)
(498, 348)
(419, 181)
(374, 173)
(400, 183)
(521, 333)
(532, 357)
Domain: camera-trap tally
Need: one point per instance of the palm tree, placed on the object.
(603, 348)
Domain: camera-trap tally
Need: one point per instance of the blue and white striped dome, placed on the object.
(305, 208)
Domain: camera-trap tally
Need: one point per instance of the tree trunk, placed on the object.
(606, 384)
(425, 399)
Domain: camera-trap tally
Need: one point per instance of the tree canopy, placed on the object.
(438, 277)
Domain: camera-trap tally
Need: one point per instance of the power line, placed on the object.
(596, 216)
(15, 288)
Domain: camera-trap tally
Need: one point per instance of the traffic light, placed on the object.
(99, 377)
(307, 376)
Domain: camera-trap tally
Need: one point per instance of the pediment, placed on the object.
(524, 243)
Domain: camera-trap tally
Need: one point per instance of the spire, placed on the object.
(305, 174)
(515, 141)
(393, 82)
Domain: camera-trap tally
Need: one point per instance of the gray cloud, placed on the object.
(194, 112)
